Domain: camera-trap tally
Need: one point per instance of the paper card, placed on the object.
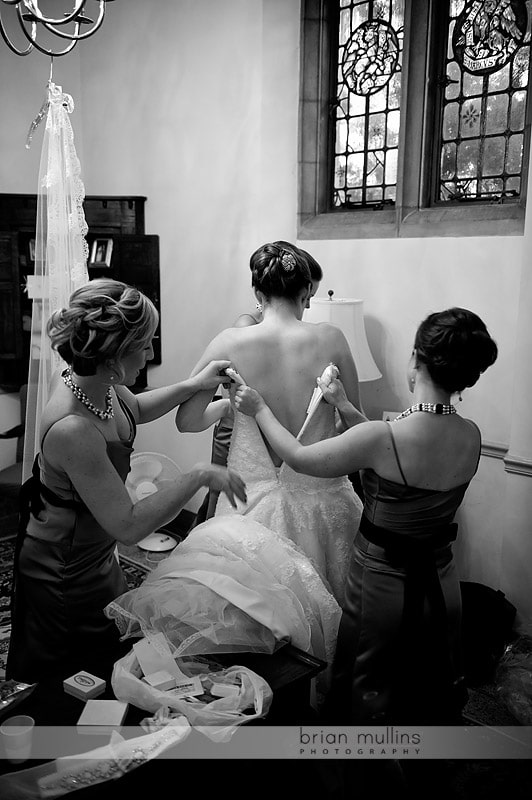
(190, 686)
(153, 654)
(161, 680)
(160, 645)
(148, 658)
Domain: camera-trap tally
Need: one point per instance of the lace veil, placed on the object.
(61, 251)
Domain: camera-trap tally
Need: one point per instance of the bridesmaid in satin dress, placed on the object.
(398, 655)
(75, 507)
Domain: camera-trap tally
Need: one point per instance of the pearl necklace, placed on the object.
(432, 408)
(82, 397)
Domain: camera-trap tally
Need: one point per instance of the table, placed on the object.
(288, 671)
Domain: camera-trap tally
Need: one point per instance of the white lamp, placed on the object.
(348, 315)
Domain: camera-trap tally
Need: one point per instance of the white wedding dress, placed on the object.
(253, 579)
(320, 515)
(232, 586)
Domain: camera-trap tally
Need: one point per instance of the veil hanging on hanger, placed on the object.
(61, 251)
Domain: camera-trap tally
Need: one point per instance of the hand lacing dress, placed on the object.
(320, 515)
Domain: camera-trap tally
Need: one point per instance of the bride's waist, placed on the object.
(285, 480)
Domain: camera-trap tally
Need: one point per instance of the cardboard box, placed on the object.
(84, 685)
(102, 716)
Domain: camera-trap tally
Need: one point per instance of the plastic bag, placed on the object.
(218, 717)
(514, 679)
(11, 694)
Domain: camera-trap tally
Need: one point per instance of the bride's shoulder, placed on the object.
(220, 341)
(323, 329)
(328, 337)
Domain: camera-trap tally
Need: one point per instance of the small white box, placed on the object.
(84, 685)
(225, 690)
(161, 680)
(101, 716)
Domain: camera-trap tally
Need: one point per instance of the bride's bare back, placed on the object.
(282, 359)
(281, 356)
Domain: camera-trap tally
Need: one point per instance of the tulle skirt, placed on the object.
(232, 585)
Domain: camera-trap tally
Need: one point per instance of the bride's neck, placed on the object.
(279, 309)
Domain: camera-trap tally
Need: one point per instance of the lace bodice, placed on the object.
(249, 454)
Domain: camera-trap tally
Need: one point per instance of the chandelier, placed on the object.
(34, 22)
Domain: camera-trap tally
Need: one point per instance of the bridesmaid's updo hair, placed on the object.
(104, 319)
(455, 347)
(279, 269)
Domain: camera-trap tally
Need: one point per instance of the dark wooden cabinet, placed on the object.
(10, 343)
(134, 259)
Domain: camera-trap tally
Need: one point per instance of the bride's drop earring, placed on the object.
(258, 306)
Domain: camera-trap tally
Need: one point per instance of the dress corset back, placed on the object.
(320, 515)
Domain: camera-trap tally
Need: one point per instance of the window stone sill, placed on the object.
(458, 221)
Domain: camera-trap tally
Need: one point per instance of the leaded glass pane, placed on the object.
(366, 129)
(470, 122)
(483, 100)
(513, 185)
(515, 153)
(496, 114)
(499, 80)
(448, 161)
(517, 116)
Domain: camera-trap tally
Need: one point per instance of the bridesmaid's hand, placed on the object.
(334, 392)
(248, 401)
(222, 479)
(211, 376)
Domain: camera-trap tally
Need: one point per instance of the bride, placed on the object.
(273, 569)
(281, 358)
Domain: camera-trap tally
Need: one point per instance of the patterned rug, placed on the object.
(134, 572)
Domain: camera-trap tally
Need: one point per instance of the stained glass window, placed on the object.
(367, 104)
(417, 109)
(484, 87)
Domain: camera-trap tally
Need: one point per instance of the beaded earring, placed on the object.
(258, 306)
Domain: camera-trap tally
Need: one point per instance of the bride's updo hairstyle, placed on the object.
(279, 269)
(104, 319)
(455, 347)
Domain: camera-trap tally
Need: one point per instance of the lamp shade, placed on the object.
(348, 315)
